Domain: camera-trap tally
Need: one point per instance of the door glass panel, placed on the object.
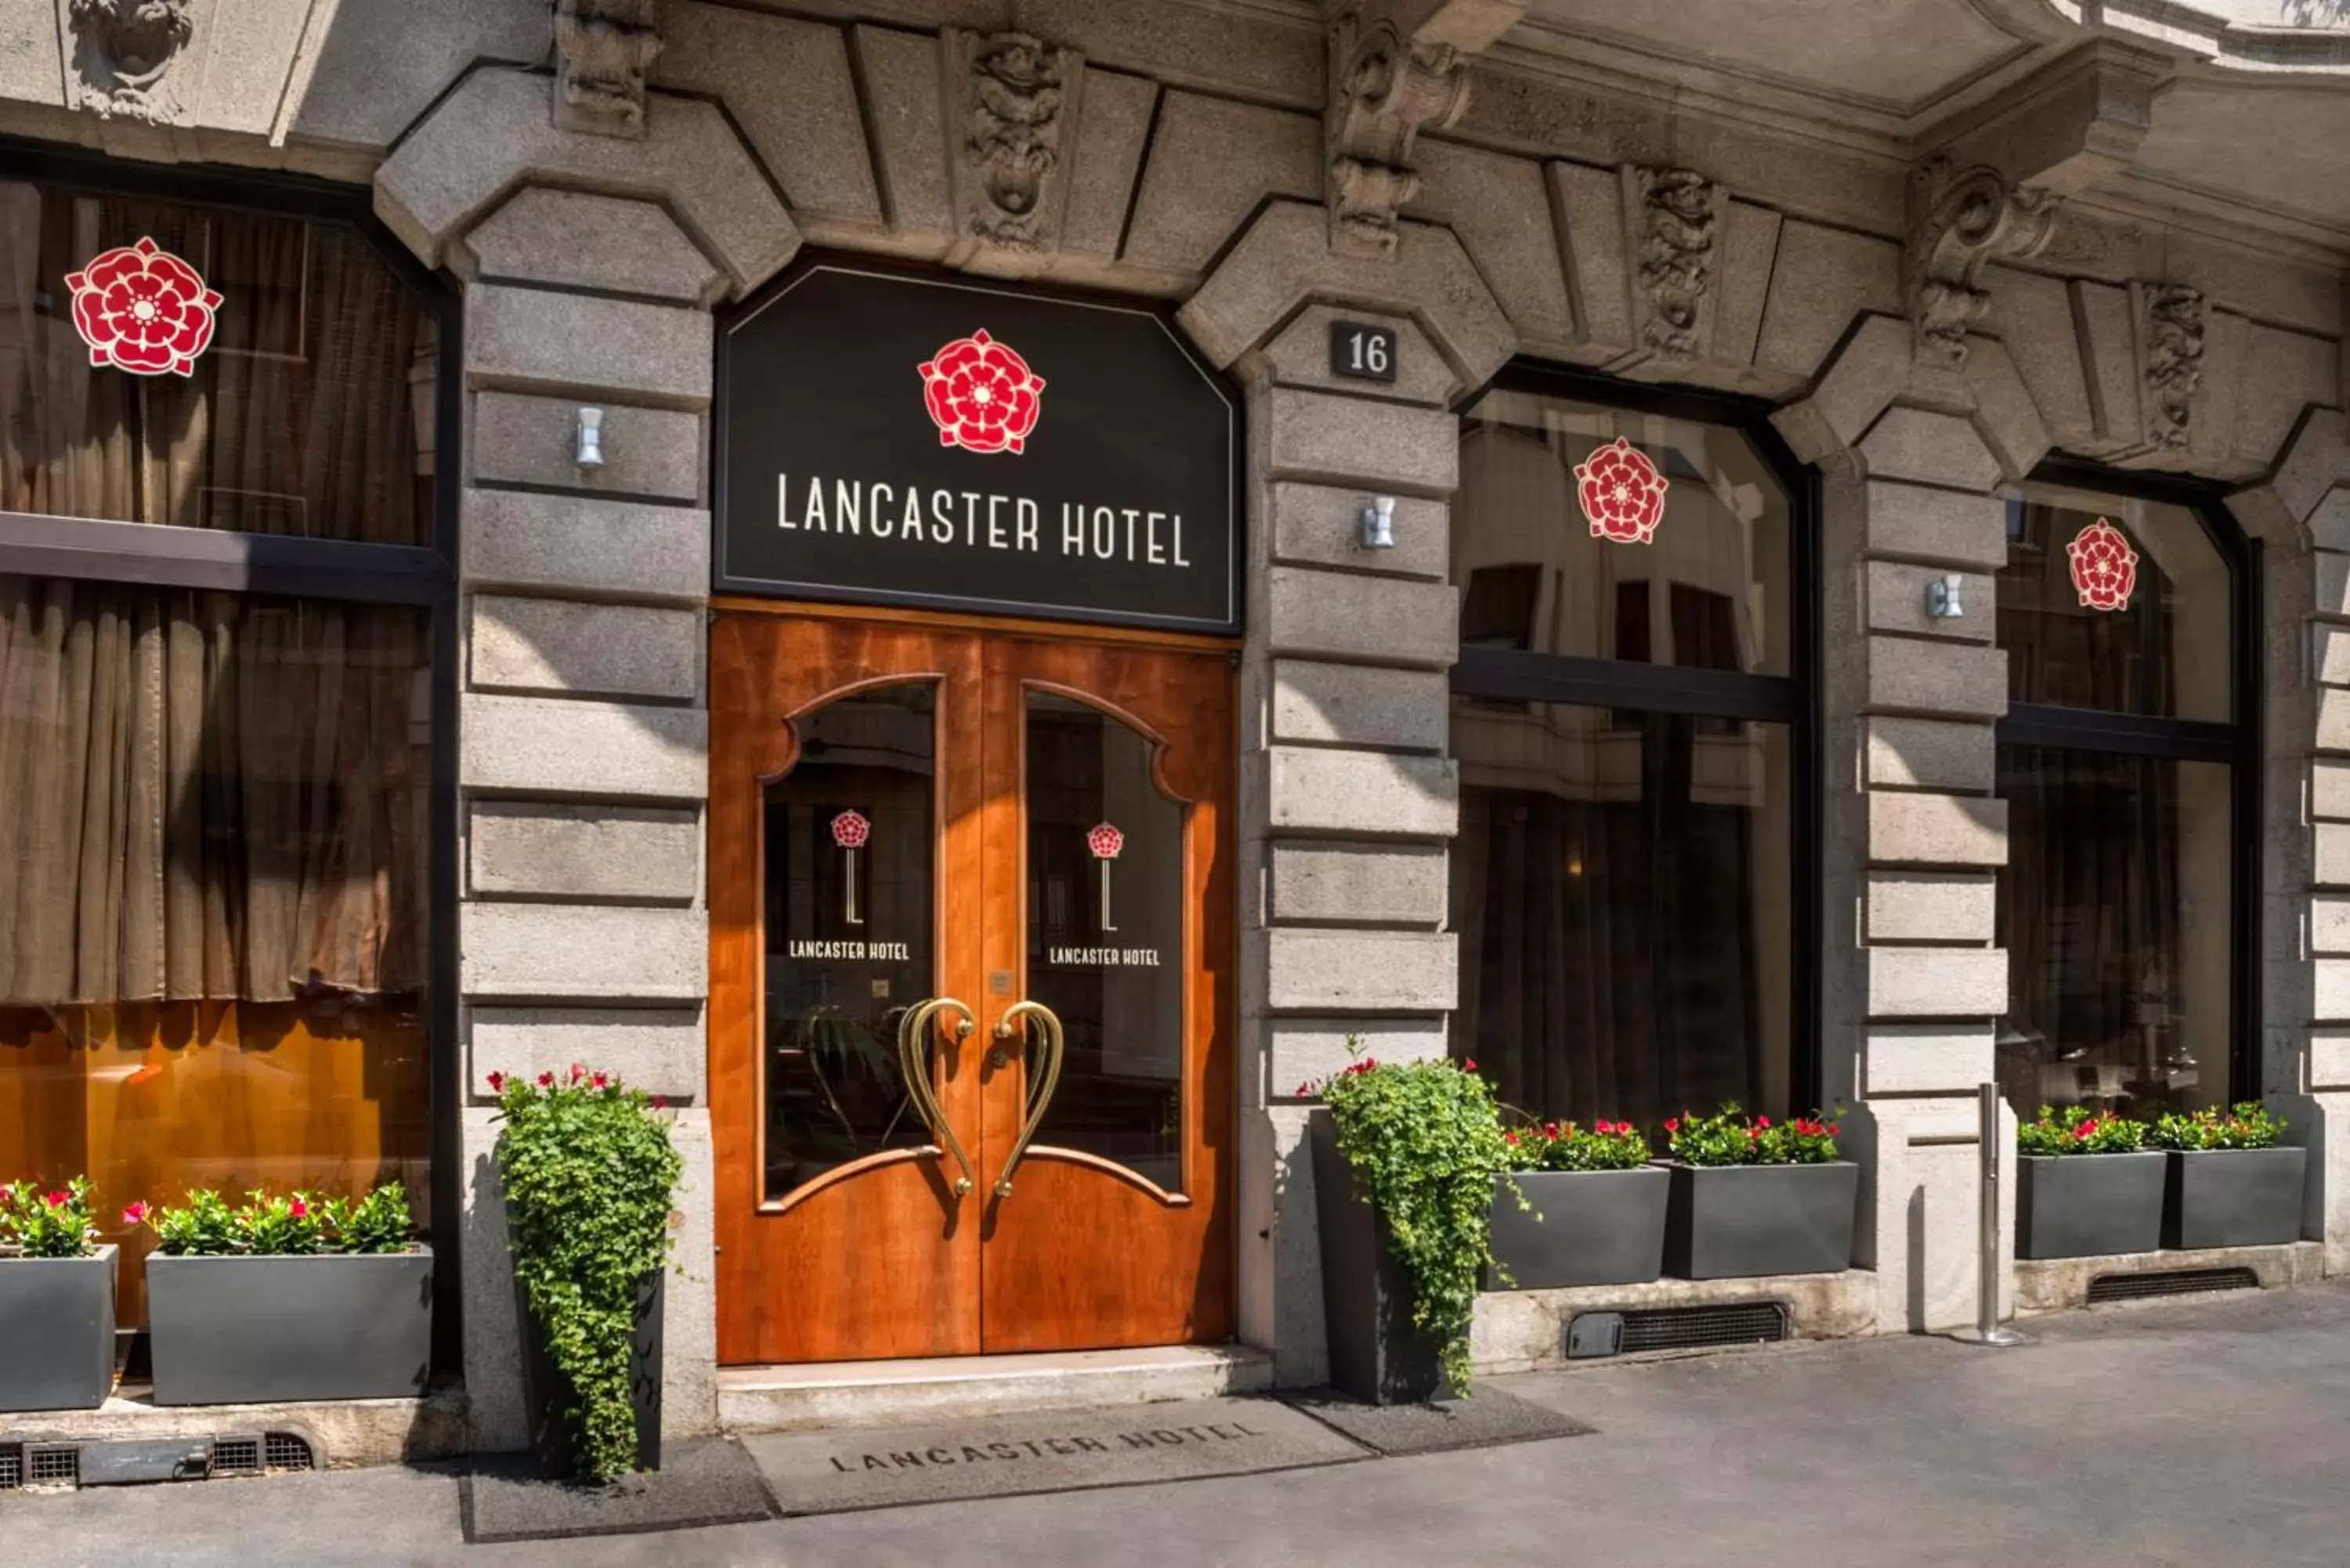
(1104, 923)
(851, 844)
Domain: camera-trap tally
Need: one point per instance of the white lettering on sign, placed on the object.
(864, 951)
(1104, 958)
(871, 509)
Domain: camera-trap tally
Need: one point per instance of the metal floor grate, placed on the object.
(2170, 1282)
(12, 1466)
(52, 1464)
(1689, 1328)
(285, 1451)
(237, 1455)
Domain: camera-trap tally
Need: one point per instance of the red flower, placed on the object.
(1763, 1121)
(578, 1072)
(1511, 1139)
(143, 309)
(1672, 1124)
(982, 395)
(2104, 567)
(2086, 1128)
(1105, 841)
(1550, 1129)
(850, 830)
(60, 1197)
(659, 1102)
(598, 1081)
(1622, 493)
(1833, 1128)
(296, 1207)
(135, 1213)
(498, 1083)
(1307, 1087)
(546, 1080)
(1470, 1065)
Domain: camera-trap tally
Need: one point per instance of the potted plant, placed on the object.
(1579, 1206)
(56, 1300)
(290, 1297)
(1403, 1173)
(2086, 1187)
(589, 1171)
(1751, 1198)
(2229, 1181)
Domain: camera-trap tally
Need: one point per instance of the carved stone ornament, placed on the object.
(1678, 214)
(602, 51)
(124, 51)
(1958, 225)
(2172, 352)
(1385, 91)
(1013, 120)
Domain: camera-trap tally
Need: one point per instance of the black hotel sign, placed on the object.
(958, 445)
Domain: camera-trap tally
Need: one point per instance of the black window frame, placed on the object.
(2236, 742)
(1626, 686)
(425, 578)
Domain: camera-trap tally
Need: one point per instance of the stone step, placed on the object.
(813, 1395)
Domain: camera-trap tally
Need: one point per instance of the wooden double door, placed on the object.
(972, 907)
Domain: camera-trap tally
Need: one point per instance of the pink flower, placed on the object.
(299, 1210)
(1470, 1065)
(546, 1080)
(1764, 1122)
(578, 1072)
(1511, 1139)
(59, 1198)
(1621, 493)
(1672, 1124)
(498, 1083)
(659, 1102)
(982, 395)
(598, 1081)
(135, 1213)
(1832, 1129)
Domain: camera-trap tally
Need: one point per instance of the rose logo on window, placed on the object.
(1622, 494)
(143, 309)
(982, 395)
(1105, 841)
(850, 830)
(2104, 567)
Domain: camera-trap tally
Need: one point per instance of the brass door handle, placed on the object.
(914, 1065)
(1040, 1083)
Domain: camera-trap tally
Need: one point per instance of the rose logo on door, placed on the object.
(982, 395)
(1105, 841)
(850, 830)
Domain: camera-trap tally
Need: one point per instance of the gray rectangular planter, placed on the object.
(244, 1331)
(1376, 1354)
(57, 1331)
(1586, 1228)
(2233, 1197)
(1734, 1221)
(2088, 1205)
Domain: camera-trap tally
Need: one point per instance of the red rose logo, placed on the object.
(1622, 493)
(1105, 842)
(143, 309)
(2104, 567)
(982, 395)
(850, 830)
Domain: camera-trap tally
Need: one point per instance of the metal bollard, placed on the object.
(1988, 1329)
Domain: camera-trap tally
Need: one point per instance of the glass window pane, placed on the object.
(2169, 653)
(851, 866)
(309, 413)
(1708, 591)
(1105, 936)
(2114, 913)
(215, 813)
(1622, 887)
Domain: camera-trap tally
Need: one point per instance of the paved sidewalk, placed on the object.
(2213, 1431)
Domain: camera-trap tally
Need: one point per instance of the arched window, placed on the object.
(1632, 883)
(2124, 763)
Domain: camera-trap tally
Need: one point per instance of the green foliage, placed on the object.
(589, 1171)
(1424, 1139)
(2079, 1130)
(289, 1225)
(51, 1223)
(2249, 1126)
(1563, 1146)
(1731, 1138)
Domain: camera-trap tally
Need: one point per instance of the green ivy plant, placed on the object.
(2248, 1125)
(52, 1222)
(589, 1171)
(1424, 1140)
(2078, 1130)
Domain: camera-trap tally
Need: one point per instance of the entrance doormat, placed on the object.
(1489, 1418)
(1043, 1450)
(702, 1481)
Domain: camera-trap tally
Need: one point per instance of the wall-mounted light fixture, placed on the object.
(1942, 598)
(591, 438)
(1378, 524)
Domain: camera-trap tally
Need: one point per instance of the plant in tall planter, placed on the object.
(56, 1300)
(291, 1296)
(1580, 1206)
(2229, 1179)
(2085, 1186)
(1749, 1197)
(1404, 1167)
(589, 1171)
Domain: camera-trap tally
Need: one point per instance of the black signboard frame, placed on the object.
(727, 581)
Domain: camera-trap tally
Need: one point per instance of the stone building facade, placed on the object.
(1935, 249)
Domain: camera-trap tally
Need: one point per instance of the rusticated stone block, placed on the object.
(1936, 829)
(1359, 705)
(1300, 357)
(1309, 790)
(1333, 615)
(523, 439)
(557, 746)
(568, 951)
(1935, 449)
(546, 336)
(1936, 982)
(1378, 972)
(1928, 754)
(1912, 675)
(584, 240)
(1321, 526)
(1912, 906)
(568, 649)
(575, 545)
(1924, 1059)
(1358, 884)
(1940, 526)
(1895, 593)
(544, 850)
(1302, 1051)
(1316, 435)
(658, 1050)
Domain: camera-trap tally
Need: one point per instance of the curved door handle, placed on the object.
(1040, 1083)
(914, 1065)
